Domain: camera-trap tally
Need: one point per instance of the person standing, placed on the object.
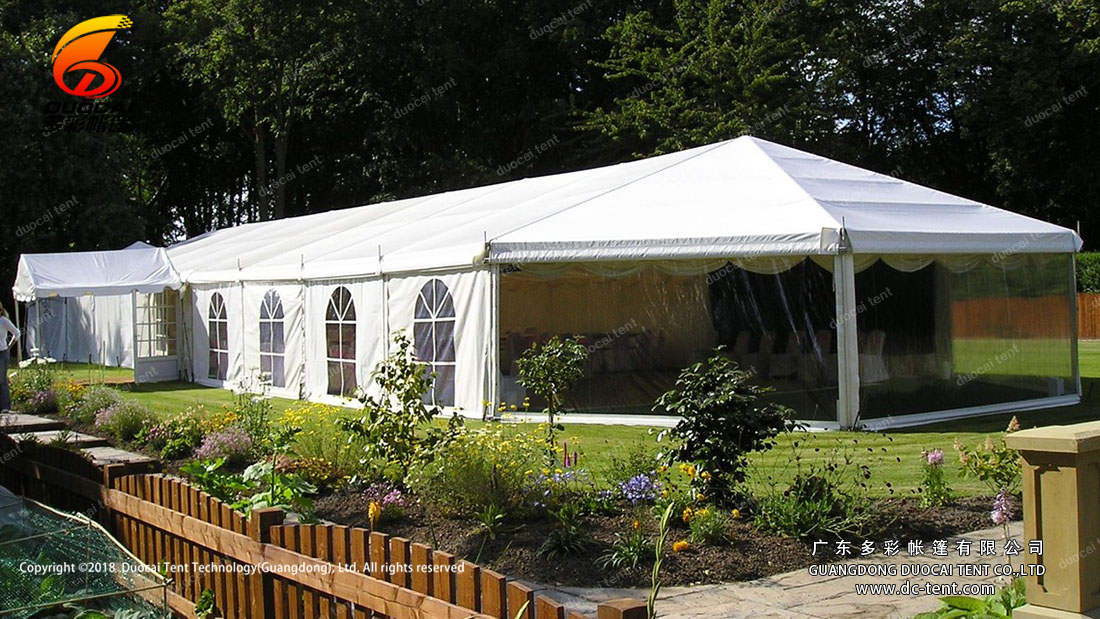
(9, 335)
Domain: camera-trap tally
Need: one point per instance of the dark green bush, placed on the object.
(722, 422)
(1088, 272)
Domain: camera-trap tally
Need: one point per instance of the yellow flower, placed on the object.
(636, 524)
(687, 514)
(736, 513)
(681, 546)
(705, 475)
(664, 494)
(662, 469)
(374, 512)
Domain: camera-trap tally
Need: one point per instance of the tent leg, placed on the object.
(19, 342)
(847, 341)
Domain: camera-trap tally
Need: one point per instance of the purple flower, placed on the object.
(385, 494)
(934, 457)
(641, 487)
(1002, 508)
(232, 443)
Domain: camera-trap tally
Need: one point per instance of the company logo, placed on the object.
(78, 53)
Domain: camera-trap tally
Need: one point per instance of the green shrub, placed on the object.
(96, 398)
(124, 420)
(629, 550)
(824, 498)
(1088, 272)
(721, 423)
(934, 490)
(999, 606)
(479, 468)
(396, 428)
(174, 437)
(569, 538)
(321, 439)
(993, 463)
(552, 370)
(709, 526)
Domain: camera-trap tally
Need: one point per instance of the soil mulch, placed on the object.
(750, 554)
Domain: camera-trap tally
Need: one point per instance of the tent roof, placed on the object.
(738, 198)
(141, 269)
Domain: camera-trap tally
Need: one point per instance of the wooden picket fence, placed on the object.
(312, 571)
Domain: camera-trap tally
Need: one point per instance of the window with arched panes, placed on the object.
(434, 337)
(272, 344)
(218, 328)
(340, 342)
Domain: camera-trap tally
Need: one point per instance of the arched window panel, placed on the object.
(272, 339)
(218, 328)
(434, 339)
(340, 342)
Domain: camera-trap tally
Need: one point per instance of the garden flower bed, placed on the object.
(520, 499)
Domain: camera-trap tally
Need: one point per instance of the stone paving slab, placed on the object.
(800, 595)
(18, 423)
(72, 438)
(112, 455)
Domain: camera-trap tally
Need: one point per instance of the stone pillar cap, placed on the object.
(1073, 439)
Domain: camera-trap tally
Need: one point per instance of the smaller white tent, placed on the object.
(81, 305)
(138, 268)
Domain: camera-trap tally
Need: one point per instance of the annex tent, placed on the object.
(857, 296)
(80, 304)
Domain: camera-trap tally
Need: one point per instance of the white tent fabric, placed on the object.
(745, 197)
(763, 207)
(103, 273)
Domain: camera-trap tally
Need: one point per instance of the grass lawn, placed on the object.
(894, 457)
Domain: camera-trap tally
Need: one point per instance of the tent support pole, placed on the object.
(1074, 326)
(847, 340)
(494, 341)
(19, 341)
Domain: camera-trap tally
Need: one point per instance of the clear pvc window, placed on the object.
(953, 332)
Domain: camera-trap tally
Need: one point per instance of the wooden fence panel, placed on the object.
(164, 520)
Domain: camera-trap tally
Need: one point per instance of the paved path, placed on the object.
(802, 596)
(46, 430)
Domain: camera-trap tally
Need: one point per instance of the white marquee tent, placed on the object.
(880, 288)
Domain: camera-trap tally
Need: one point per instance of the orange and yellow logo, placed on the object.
(79, 51)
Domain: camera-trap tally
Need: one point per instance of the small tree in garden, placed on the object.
(721, 423)
(552, 371)
(391, 422)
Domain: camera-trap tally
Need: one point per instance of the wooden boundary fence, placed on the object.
(311, 571)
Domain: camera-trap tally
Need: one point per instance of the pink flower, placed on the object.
(934, 457)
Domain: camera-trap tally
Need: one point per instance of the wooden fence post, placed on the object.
(259, 529)
(1061, 479)
(621, 609)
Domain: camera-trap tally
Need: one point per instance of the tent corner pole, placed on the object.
(19, 341)
(847, 340)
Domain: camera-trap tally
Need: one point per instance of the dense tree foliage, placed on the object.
(233, 111)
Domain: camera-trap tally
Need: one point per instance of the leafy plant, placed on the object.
(395, 428)
(124, 420)
(993, 463)
(204, 608)
(721, 423)
(95, 399)
(207, 475)
(285, 491)
(481, 467)
(569, 538)
(638, 459)
(708, 526)
(997, 606)
(659, 553)
(491, 521)
(551, 371)
(934, 488)
(254, 413)
(828, 497)
(628, 550)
